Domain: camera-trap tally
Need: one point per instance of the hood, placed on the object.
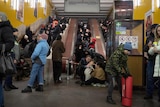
(94, 40)
(5, 23)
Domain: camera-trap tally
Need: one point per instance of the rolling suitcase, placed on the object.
(127, 84)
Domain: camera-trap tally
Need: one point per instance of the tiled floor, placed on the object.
(69, 94)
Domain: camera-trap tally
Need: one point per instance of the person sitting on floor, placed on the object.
(97, 75)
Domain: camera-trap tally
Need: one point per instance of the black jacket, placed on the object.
(6, 36)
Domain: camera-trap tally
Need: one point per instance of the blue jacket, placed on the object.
(41, 51)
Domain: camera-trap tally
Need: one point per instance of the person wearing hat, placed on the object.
(7, 38)
(38, 58)
(15, 52)
(115, 67)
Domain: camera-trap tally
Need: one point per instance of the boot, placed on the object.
(39, 88)
(6, 88)
(110, 100)
(27, 90)
(13, 87)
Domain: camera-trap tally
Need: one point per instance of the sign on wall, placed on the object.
(20, 10)
(132, 39)
(148, 22)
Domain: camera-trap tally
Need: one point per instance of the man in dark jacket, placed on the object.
(57, 50)
(7, 38)
(115, 66)
(150, 62)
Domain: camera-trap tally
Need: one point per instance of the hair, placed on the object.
(157, 38)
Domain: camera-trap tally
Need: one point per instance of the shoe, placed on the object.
(6, 88)
(27, 90)
(58, 82)
(13, 87)
(110, 100)
(147, 97)
(159, 100)
(39, 88)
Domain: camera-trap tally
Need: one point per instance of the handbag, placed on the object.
(7, 66)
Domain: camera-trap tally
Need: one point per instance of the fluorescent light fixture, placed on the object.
(158, 3)
(152, 5)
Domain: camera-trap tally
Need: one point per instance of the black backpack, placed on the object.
(29, 48)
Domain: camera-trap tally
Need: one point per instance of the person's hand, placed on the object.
(126, 74)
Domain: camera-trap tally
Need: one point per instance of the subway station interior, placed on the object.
(109, 22)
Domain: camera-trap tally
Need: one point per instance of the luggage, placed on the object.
(127, 84)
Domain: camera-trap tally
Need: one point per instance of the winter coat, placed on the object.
(116, 62)
(57, 50)
(6, 36)
(40, 51)
(157, 59)
(98, 73)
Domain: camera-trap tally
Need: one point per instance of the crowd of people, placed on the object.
(91, 67)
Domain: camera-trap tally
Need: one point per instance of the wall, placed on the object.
(29, 17)
(146, 5)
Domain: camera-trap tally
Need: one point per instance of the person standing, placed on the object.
(57, 50)
(155, 49)
(150, 60)
(7, 38)
(115, 65)
(8, 84)
(38, 58)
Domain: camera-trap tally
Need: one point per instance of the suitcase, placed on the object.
(127, 84)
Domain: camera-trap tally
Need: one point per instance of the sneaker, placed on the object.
(147, 97)
(13, 87)
(39, 88)
(27, 90)
(6, 88)
(110, 100)
(95, 85)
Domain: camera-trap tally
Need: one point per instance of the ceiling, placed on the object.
(104, 10)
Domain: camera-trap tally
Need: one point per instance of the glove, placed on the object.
(126, 75)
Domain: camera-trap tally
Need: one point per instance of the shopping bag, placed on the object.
(7, 66)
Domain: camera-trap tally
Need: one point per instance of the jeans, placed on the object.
(37, 70)
(8, 80)
(111, 87)
(149, 78)
(1, 93)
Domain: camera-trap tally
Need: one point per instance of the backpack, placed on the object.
(29, 48)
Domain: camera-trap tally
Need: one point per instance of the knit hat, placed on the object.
(128, 46)
(3, 17)
(44, 36)
(94, 40)
(153, 26)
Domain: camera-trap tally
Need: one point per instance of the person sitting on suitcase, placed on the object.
(115, 66)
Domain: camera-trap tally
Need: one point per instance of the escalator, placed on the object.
(96, 33)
